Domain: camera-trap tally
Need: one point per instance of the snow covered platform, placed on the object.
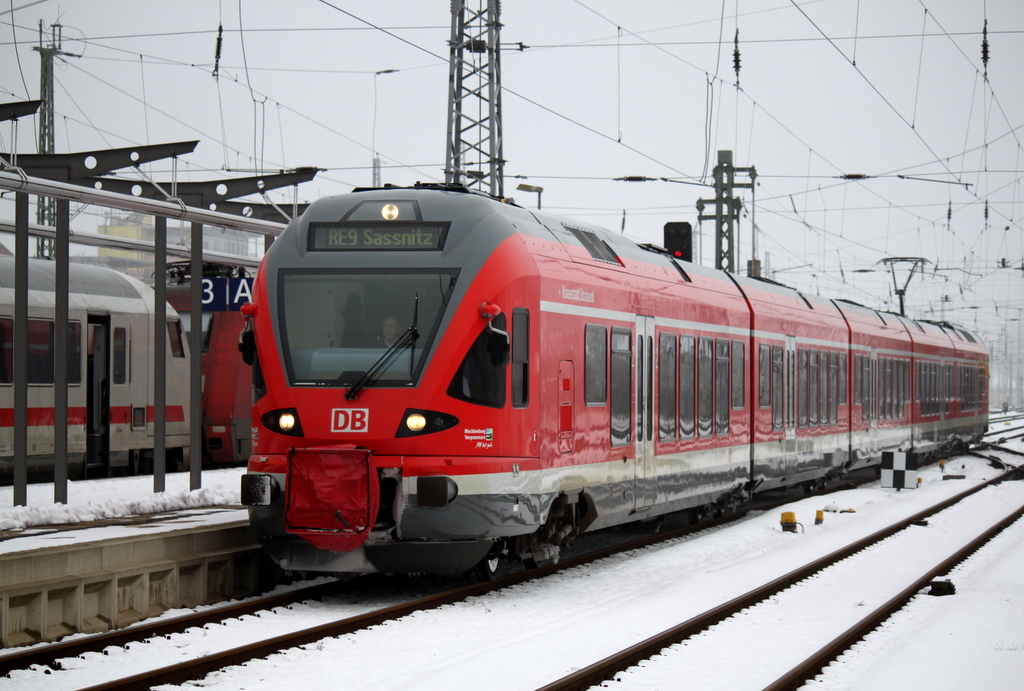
(118, 553)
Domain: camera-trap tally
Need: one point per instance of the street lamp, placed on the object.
(531, 188)
(373, 141)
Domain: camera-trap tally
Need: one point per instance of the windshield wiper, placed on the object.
(407, 340)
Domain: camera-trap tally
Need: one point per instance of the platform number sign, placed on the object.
(226, 294)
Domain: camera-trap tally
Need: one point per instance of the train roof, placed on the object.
(82, 278)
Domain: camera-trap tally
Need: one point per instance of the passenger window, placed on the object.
(667, 387)
(596, 374)
(764, 374)
(803, 379)
(174, 334)
(687, 393)
(121, 355)
(7, 350)
(622, 386)
(777, 399)
(705, 386)
(739, 382)
(40, 351)
(520, 357)
(722, 387)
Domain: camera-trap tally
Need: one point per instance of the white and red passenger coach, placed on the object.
(110, 397)
(551, 378)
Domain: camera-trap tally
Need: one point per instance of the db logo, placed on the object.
(350, 420)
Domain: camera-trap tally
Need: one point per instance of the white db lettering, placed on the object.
(350, 420)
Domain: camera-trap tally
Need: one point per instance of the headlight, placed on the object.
(285, 421)
(416, 422)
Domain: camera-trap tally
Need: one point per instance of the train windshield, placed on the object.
(337, 326)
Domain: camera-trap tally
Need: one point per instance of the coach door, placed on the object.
(97, 414)
(644, 397)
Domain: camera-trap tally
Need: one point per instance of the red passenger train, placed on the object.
(551, 378)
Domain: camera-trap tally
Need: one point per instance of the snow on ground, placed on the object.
(533, 633)
(94, 500)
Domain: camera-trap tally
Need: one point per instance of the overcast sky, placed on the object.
(605, 89)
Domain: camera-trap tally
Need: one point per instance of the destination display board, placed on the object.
(372, 236)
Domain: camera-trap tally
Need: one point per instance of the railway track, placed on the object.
(51, 656)
(613, 666)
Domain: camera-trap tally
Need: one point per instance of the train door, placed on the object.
(644, 397)
(97, 414)
(791, 387)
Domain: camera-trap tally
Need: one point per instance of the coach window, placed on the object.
(40, 352)
(856, 379)
(667, 387)
(7, 350)
(764, 374)
(842, 381)
(823, 389)
(74, 353)
(596, 365)
(687, 391)
(812, 386)
(777, 399)
(803, 379)
(120, 355)
(174, 333)
(520, 357)
(622, 368)
(833, 387)
(949, 386)
(865, 378)
(722, 387)
(739, 384)
(705, 386)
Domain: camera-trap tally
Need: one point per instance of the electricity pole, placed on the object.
(474, 98)
(46, 208)
(727, 211)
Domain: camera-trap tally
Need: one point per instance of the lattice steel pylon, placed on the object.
(473, 151)
(46, 207)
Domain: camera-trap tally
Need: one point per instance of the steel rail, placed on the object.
(47, 655)
(195, 669)
(813, 665)
(606, 668)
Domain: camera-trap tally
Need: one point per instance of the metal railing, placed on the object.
(23, 185)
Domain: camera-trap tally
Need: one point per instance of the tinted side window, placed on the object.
(667, 387)
(520, 357)
(739, 383)
(40, 352)
(705, 385)
(7, 350)
(596, 374)
(174, 333)
(477, 379)
(764, 398)
(121, 355)
(687, 392)
(722, 387)
(622, 385)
